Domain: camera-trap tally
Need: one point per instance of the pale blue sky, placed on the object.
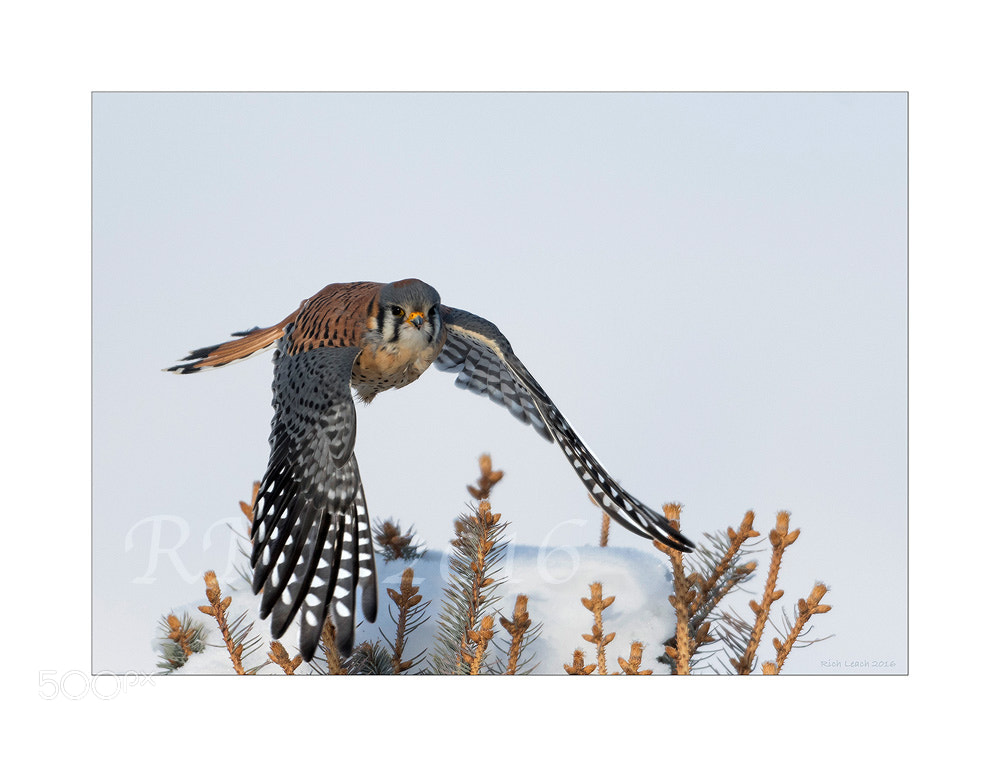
(712, 287)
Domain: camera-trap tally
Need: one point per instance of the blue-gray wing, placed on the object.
(312, 544)
(482, 357)
(477, 351)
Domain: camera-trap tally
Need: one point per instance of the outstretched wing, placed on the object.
(312, 544)
(486, 364)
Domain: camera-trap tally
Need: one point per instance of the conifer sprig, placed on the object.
(410, 614)
(182, 638)
(630, 667)
(781, 539)
(487, 479)
(597, 605)
(521, 635)
(477, 556)
(235, 636)
(370, 659)
(682, 600)
(577, 668)
(479, 640)
(328, 644)
(392, 543)
(279, 655)
(806, 609)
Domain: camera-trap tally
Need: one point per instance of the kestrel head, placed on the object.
(409, 307)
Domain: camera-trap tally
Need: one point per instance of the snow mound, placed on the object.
(554, 579)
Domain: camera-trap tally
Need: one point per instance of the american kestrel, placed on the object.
(312, 542)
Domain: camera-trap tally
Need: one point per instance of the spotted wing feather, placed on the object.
(310, 515)
(486, 364)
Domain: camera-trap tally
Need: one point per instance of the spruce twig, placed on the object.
(487, 479)
(736, 540)
(244, 538)
(781, 539)
(183, 633)
(392, 543)
(734, 632)
(370, 659)
(578, 668)
(682, 600)
(328, 643)
(605, 524)
(410, 615)
(181, 638)
(806, 608)
(479, 639)
(217, 608)
(719, 568)
(480, 578)
(597, 605)
(279, 655)
(476, 558)
(247, 508)
(631, 666)
(517, 627)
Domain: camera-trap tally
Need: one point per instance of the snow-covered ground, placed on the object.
(555, 580)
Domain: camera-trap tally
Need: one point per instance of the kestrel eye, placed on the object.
(397, 311)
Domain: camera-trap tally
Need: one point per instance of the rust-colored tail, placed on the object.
(246, 344)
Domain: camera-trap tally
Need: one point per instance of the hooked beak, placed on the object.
(416, 319)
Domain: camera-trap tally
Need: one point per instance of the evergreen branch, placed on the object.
(631, 666)
(392, 543)
(477, 556)
(479, 639)
(370, 659)
(807, 608)
(517, 627)
(578, 668)
(734, 632)
(328, 643)
(217, 608)
(780, 539)
(279, 655)
(487, 479)
(410, 615)
(597, 605)
(682, 600)
(605, 524)
(722, 568)
(247, 508)
(181, 639)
